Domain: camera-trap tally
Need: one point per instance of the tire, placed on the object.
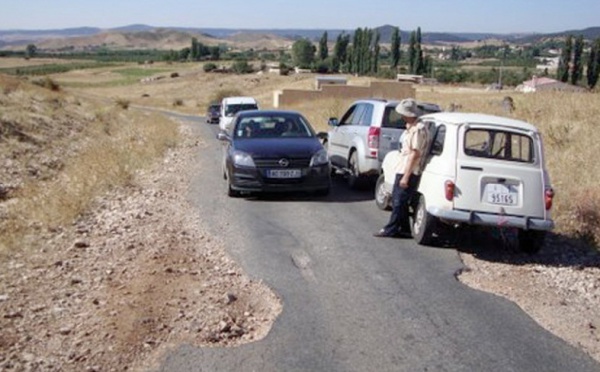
(531, 241)
(382, 198)
(231, 192)
(354, 178)
(424, 225)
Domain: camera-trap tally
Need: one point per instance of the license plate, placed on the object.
(284, 173)
(502, 194)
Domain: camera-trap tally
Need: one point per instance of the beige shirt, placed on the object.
(414, 138)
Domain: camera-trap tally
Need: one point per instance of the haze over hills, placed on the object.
(149, 37)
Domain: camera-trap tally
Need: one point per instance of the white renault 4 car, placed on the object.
(479, 170)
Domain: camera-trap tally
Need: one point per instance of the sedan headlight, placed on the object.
(320, 158)
(242, 159)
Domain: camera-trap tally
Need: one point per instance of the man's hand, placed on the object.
(404, 182)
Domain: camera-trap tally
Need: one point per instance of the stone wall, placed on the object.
(377, 89)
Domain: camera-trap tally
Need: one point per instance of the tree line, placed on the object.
(571, 62)
(362, 55)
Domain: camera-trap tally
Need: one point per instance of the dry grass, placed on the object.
(59, 157)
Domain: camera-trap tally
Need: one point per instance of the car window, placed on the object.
(366, 115)
(273, 126)
(353, 116)
(498, 144)
(437, 146)
(231, 110)
(392, 119)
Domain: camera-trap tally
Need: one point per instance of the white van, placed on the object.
(231, 106)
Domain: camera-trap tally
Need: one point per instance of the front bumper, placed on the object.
(492, 219)
(256, 180)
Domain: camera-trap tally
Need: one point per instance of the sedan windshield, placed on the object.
(273, 126)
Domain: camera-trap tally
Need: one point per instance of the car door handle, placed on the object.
(471, 168)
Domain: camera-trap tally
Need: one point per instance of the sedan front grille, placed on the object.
(275, 163)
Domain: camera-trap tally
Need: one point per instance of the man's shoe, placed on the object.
(382, 234)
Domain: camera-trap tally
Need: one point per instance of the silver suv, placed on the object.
(358, 142)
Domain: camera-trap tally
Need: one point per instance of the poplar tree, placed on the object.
(412, 53)
(593, 65)
(395, 52)
(340, 51)
(577, 71)
(562, 73)
(376, 50)
(323, 52)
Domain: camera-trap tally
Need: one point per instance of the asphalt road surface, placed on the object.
(352, 302)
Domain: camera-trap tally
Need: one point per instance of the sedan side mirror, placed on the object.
(333, 122)
(223, 136)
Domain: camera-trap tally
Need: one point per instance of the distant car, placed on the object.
(479, 170)
(213, 113)
(274, 151)
(231, 106)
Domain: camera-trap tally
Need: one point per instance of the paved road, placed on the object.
(353, 302)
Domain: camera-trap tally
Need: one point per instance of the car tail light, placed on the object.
(373, 141)
(449, 190)
(548, 196)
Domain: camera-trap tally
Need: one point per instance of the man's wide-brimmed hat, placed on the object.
(408, 107)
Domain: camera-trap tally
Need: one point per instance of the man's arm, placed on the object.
(412, 161)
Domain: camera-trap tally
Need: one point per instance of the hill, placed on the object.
(141, 36)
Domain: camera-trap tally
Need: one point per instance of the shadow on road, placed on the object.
(340, 193)
(500, 245)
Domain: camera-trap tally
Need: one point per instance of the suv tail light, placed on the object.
(449, 190)
(373, 141)
(548, 196)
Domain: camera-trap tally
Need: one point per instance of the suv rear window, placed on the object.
(497, 144)
(392, 119)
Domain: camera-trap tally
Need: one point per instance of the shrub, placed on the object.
(209, 67)
(122, 103)
(47, 83)
(177, 102)
(242, 67)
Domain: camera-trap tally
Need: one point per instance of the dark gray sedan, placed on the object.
(274, 151)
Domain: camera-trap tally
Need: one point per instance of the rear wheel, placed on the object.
(531, 241)
(354, 179)
(382, 197)
(423, 224)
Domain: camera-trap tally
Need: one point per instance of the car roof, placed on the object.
(255, 113)
(238, 100)
(460, 118)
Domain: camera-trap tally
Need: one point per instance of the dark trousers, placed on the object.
(400, 200)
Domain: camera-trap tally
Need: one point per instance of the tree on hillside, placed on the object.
(30, 51)
(577, 70)
(323, 51)
(303, 53)
(395, 47)
(562, 73)
(593, 65)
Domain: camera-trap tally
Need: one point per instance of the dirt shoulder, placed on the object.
(135, 276)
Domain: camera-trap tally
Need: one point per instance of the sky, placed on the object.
(488, 16)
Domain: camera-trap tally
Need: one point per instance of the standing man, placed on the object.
(408, 171)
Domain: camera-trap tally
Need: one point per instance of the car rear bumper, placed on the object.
(491, 219)
(255, 180)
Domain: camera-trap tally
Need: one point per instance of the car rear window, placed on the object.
(498, 144)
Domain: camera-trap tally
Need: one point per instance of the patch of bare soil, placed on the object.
(135, 276)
